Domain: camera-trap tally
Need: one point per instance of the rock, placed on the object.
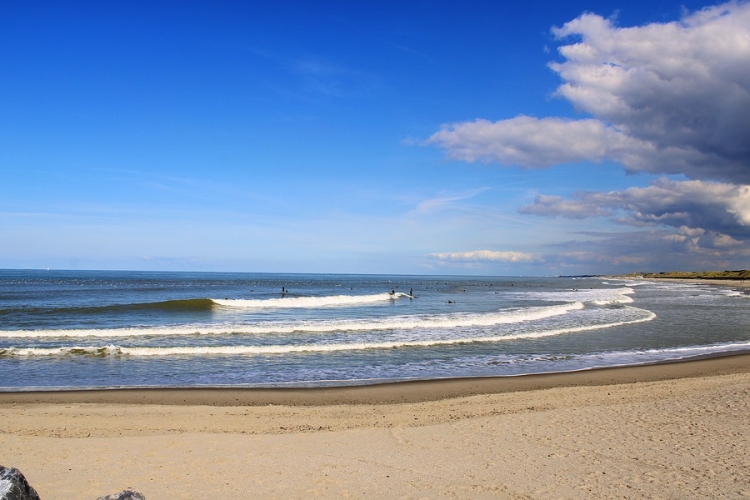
(13, 486)
(129, 494)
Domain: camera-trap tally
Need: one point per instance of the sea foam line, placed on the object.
(289, 349)
(309, 302)
(452, 320)
(597, 296)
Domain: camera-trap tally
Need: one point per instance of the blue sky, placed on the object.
(533, 138)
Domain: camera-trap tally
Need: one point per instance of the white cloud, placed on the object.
(710, 206)
(682, 84)
(670, 98)
(684, 248)
(524, 140)
(485, 256)
(701, 220)
(665, 98)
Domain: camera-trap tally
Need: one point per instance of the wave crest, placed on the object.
(309, 302)
(454, 320)
(113, 350)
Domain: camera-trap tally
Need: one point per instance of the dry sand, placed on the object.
(677, 430)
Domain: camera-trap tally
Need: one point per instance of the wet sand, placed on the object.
(676, 430)
(737, 283)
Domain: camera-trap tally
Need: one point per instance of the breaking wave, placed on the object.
(439, 321)
(208, 304)
(309, 302)
(114, 350)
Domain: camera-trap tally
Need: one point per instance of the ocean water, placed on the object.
(84, 329)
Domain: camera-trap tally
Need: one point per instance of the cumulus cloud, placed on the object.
(485, 256)
(682, 84)
(525, 140)
(664, 98)
(651, 250)
(708, 206)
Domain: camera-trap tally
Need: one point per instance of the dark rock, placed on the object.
(13, 486)
(129, 494)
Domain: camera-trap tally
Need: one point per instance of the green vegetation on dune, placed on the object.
(702, 275)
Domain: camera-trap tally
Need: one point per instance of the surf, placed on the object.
(115, 350)
(310, 302)
(210, 304)
(404, 322)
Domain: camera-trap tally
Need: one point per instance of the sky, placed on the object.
(480, 137)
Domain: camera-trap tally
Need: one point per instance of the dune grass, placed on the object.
(706, 275)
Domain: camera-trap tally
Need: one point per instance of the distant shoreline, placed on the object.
(739, 283)
(718, 281)
(739, 275)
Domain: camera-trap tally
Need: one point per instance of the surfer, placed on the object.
(283, 291)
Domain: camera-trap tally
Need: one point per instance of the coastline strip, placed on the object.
(725, 282)
(389, 393)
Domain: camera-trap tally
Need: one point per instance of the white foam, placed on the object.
(286, 349)
(308, 302)
(61, 351)
(620, 299)
(633, 282)
(597, 296)
(399, 322)
(630, 357)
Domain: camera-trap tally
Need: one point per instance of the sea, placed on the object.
(116, 329)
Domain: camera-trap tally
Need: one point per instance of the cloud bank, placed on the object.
(663, 98)
(712, 206)
(669, 98)
(653, 249)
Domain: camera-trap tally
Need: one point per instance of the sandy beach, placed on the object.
(677, 430)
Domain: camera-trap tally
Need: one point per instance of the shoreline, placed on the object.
(419, 391)
(727, 282)
(671, 429)
(638, 434)
(405, 391)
